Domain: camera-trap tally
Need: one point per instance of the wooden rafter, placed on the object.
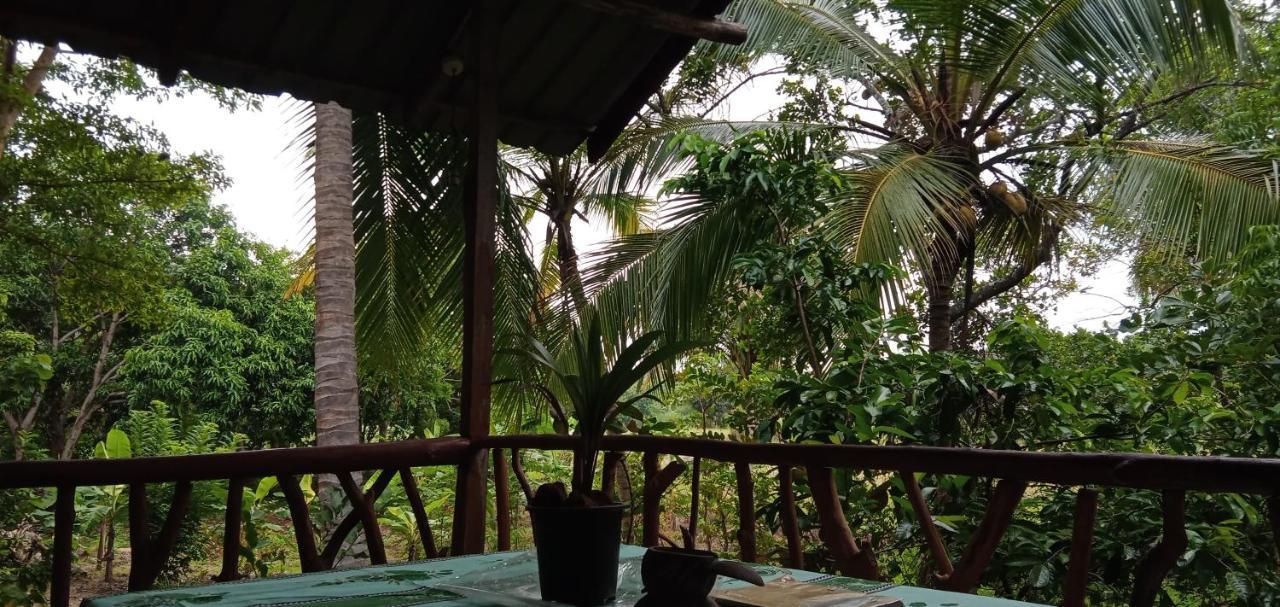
(660, 19)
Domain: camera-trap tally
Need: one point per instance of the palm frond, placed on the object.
(895, 205)
(1182, 194)
(824, 33)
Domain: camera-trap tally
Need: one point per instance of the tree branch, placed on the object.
(1000, 285)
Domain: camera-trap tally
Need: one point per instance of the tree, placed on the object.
(992, 127)
(337, 392)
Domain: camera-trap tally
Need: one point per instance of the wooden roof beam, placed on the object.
(644, 11)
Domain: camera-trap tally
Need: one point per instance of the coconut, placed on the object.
(968, 218)
(1016, 203)
(998, 189)
(993, 138)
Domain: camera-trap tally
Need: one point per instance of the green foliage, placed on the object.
(597, 385)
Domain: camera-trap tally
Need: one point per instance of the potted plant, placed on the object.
(577, 532)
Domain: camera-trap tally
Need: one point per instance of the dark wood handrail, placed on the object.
(1173, 475)
(1135, 470)
(239, 464)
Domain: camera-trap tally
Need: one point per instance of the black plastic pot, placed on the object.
(577, 552)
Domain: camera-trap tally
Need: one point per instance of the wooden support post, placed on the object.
(986, 538)
(933, 539)
(517, 467)
(64, 523)
(300, 516)
(231, 526)
(363, 508)
(790, 522)
(477, 278)
(1162, 558)
(348, 523)
(139, 536)
(746, 512)
(1077, 582)
(419, 513)
(695, 491)
(502, 499)
(835, 532)
(609, 473)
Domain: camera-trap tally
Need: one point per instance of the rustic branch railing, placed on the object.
(1013, 470)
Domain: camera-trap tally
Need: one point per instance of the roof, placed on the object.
(567, 73)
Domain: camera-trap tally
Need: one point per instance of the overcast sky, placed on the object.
(269, 200)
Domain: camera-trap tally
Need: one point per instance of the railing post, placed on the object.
(419, 513)
(695, 492)
(231, 531)
(64, 521)
(933, 539)
(649, 515)
(363, 509)
(1173, 542)
(502, 499)
(835, 532)
(139, 537)
(1077, 582)
(300, 516)
(746, 512)
(986, 538)
(790, 522)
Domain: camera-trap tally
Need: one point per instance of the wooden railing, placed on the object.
(1173, 476)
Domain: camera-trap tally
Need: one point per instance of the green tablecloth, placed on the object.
(502, 579)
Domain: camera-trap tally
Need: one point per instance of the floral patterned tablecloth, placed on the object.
(500, 579)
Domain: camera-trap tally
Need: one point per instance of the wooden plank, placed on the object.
(652, 16)
(746, 512)
(64, 523)
(1138, 470)
(139, 536)
(986, 538)
(348, 523)
(1077, 582)
(231, 527)
(502, 499)
(790, 522)
(363, 508)
(300, 516)
(419, 513)
(835, 532)
(221, 466)
(477, 278)
(933, 539)
(1164, 556)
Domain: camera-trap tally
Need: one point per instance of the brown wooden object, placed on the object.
(746, 512)
(300, 516)
(419, 513)
(986, 538)
(1162, 558)
(231, 526)
(348, 523)
(652, 16)
(933, 539)
(64, 523)
(835, 532)
(1077, 582)
(502, 499)
(362, 507)
(790, 522)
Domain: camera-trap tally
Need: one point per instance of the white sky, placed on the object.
(269, 201)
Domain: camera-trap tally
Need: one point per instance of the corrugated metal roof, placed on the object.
(567, 73)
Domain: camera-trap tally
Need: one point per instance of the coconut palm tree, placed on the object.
(336, 390)
(994, 124)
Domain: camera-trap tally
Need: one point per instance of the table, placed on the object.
(500, 579)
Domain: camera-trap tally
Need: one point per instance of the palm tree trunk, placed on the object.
(567, 259)
(939, 283)
(336, 392)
